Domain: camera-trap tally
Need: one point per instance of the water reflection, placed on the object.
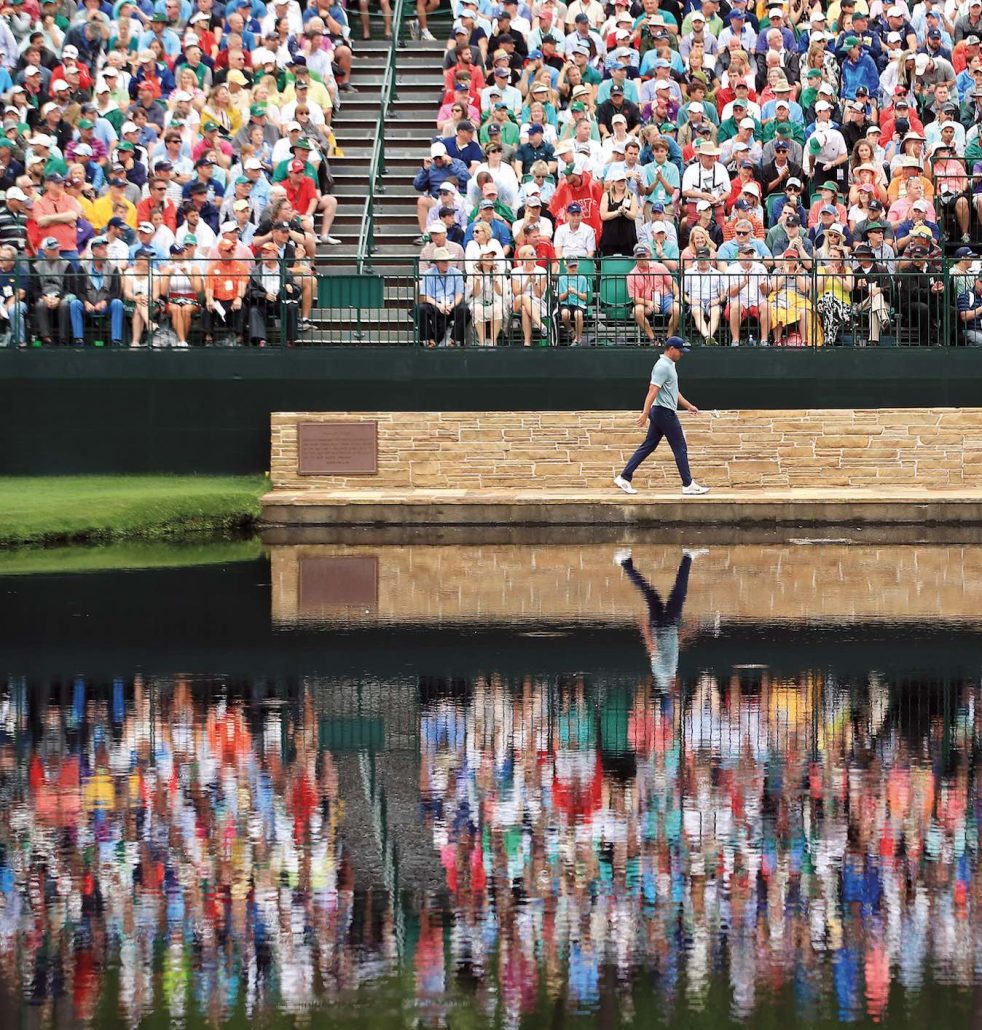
(726, 843)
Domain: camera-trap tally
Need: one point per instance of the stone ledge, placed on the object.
(889, 506)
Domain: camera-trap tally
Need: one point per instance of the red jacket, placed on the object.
(587, 195)
(146, 205)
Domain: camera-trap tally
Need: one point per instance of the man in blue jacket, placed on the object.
(858, 69)
(436, 170)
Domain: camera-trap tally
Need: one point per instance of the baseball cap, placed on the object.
(574, 209)
(437, 149)
(117, 223)
(961, 253)
(50, 243)
(146, 227)
(296, 166)
(485, 204)
(253, 163)
(677, 343)
(641, 250)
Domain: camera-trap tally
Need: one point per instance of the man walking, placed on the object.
(660, 411)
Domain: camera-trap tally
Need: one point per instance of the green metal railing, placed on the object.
(355, 309)
(376, 167)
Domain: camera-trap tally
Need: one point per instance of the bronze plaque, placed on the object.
(338, 582)
(337, 449)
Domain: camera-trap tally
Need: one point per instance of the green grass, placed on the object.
(126, 555)
(98, 509)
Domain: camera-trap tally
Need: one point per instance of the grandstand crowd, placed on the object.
(784, 172)
(166, 163)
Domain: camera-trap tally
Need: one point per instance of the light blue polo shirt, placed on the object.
(665, 376)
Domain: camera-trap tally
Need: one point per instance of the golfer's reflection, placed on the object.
(661, 631)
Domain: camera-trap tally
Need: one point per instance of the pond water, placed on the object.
(495, 784)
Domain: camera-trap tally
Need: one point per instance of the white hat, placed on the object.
(191, 38)
(59, 85)
(703, 205)
(146, 227)
(823, 105)
(437, 149)
(784, 103)
(31, 70)
(69, 51)
(103, 87)
(894, 37)
(747, 123)
(920, 205)
(229, 227)
(437, 227)
(921, 62)
(39, 140)
(662, 84)
(294, 127)
(253, 163)
(752, 187)
(16, 193)
(696, 105)
(109, 70)
(895, 12)
(835, 227)
(181, 94)
(616, 173)
(618, 118)
(657, 227)
(127, 127)
(262, 56)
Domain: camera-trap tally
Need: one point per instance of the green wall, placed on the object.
(208, 411)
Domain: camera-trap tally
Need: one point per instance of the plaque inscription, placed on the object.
(337, 449)
(338, 582)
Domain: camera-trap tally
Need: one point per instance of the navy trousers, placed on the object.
(660, 614)
(662, 422)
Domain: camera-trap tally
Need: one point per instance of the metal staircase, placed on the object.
(409, 125)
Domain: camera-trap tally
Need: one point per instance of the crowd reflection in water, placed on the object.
(590, 835)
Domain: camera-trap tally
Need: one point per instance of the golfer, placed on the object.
(660, 411)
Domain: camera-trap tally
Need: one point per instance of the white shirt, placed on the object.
(749, 295)
(570, 242)
(703, 287)
(203, 234)
(714, 180)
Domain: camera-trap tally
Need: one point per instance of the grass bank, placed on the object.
(40, 510)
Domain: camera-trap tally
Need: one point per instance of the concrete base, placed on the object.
(413, 507)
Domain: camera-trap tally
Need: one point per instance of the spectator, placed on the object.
(835, 286)
(574, 238)
(439, 241)
(970, 312)
(436, 169)
(225, 289)
(58, 214)
(572, 295)
(704, 290)
(871, 292)
(51, 276)
(180, 290)
(618, 213)
(788, 305)
(441, 303)
(529, 293)
(746, 282)
(13, 298)
(140, 292)
(486, 294)
(272, 291)
(98, 295)
(653, 292)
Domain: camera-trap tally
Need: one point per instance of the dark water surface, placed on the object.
(495, 785)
